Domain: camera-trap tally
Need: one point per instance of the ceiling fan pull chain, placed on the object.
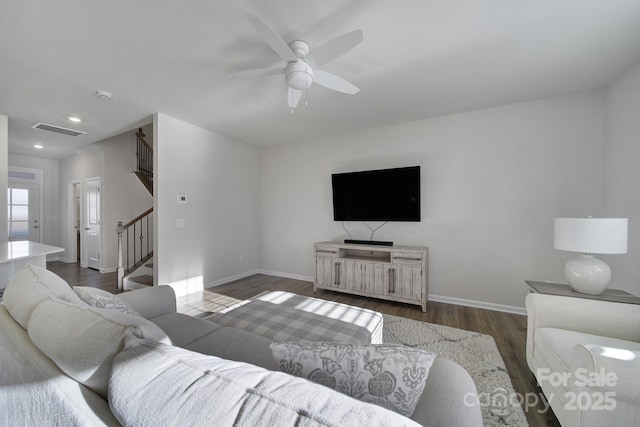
(291, 100)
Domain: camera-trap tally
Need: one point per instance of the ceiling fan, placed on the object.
(300, 71)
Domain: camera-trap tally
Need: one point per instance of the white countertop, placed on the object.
(11, 251)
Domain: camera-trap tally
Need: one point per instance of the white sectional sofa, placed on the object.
(66, 363)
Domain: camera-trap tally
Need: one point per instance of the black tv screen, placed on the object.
(377, 195)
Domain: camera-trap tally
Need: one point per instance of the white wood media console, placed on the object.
(396, 273)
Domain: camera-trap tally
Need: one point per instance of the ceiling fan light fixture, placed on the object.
(299, 75)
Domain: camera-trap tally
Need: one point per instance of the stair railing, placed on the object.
(135, 244)
(144, 154)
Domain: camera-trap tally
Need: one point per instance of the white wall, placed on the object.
(219, 176)
(492, 182)
(622, 177)
(4, 174)
(50, 221)
(123, 196)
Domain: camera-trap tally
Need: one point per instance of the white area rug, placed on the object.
(475, 352)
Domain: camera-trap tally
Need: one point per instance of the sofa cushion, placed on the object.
(96, 297)
(29, 287)
(236, 344)
(448, 385)
(155, 384)
(83, 340)
(35, 392)
(183, 329)
(389, 375)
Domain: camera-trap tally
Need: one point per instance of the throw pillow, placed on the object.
(31, 286)
(102, 299)
(83, 340)
(389, 375)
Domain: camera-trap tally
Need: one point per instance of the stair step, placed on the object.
(143, 280)
(150, 265)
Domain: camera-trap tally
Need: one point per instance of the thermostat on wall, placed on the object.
(182, 198)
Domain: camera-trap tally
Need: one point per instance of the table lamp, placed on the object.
(586, 273)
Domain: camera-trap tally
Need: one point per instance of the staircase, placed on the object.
(144, 153)
(135, 237)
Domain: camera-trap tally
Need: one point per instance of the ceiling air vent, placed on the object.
(57, 129)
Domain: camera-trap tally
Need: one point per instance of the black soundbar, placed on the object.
(368, 242)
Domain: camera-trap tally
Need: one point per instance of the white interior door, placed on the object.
(92, 222)
(24, 211)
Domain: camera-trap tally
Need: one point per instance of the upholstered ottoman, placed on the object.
(283, 316)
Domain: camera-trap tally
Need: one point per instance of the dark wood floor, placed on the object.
(509, 330)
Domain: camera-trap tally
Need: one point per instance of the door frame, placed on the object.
(72, 253)
(36, 180)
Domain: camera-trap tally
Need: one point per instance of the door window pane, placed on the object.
(19, 213)
(18, 230)
(19, 196)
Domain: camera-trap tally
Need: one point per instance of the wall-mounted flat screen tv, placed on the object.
(377, 195)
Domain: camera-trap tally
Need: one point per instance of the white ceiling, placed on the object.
(419, 59)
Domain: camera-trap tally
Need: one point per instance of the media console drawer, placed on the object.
(412, 258)
(327, 251)
(396, 273)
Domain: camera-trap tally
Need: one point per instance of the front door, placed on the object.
(24, 211)
(92, 222)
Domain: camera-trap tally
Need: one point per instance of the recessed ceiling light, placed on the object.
(74, 119)
(38, 146)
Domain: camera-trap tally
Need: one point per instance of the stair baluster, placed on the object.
(144, 154)
(130, 256)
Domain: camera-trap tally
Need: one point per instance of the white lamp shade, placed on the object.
(591, 235)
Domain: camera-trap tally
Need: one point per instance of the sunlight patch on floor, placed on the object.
(203, 303)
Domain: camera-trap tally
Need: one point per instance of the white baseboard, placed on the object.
(230, 279)
(68, 261)
(286, 275)
(478, 304)
(435, 298)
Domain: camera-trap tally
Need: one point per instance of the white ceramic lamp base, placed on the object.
(587, 274)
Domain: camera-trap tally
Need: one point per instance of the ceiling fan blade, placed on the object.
(336, 47)
(334, 82)
(272, 38)
(258, 72)
(293, 97)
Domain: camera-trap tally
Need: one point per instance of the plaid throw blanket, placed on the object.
(283, 316)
